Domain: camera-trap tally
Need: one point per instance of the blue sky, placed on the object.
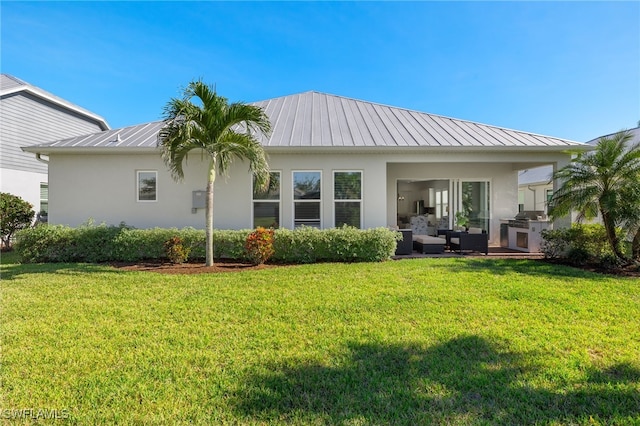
(565, 69)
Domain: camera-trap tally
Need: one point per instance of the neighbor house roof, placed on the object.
(320, 120)
(537, 175)
(635, 137)
(10, 85)
(542, 175)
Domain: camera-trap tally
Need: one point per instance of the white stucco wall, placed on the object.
(535, 196)
(103, 188)
(24, 184)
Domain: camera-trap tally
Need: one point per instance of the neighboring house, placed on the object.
(336, 160)
(535, 188)
(28, 116)
(536, 185)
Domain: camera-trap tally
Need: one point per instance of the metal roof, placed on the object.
(635, 137)
(140, 136)
(542, 175)
(537, 175)
(313, 119)
(320, 119)
(10, 85)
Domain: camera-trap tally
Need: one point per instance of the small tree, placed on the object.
(205, 122)
(15, 214)
(603, 182)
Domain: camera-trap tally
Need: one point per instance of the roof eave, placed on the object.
(102, 123)
(48, 150)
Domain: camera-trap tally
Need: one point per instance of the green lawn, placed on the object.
(448, 341)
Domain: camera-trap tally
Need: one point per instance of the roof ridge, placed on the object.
(419, 112)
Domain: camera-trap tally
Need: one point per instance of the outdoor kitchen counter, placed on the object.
(525, 235)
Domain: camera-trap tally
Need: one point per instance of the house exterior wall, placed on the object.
(103, 188)
(24, 184)
(26, 120)
(535, 196)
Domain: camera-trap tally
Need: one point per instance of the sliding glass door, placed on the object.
(471, 203)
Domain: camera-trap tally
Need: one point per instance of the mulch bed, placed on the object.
(230, 266)
(190, 267)
(631, 271)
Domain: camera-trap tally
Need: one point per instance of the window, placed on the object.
(147, 185)
(520, 200)
(44, 199)
(347, 195)
(307, 199)
(266, 203)
(442, 203)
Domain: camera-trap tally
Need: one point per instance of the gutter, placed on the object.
(40, 159)
(534, 195)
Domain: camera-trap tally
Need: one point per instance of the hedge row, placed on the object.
(580, 244)
(89, 243)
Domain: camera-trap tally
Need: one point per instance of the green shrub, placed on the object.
(555, 243)
(593, 238)
(579, 244)
(346, 244)
(15, 214)
(44, 243)
(610, 262)
(578, 256)
(229, 244)
(102, 243)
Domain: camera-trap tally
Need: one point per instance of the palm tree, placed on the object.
(629, 212)
(221, 132)
(601, 182)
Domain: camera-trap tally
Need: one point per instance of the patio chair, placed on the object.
(475, 239)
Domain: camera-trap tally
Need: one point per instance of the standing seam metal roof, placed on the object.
(313, 119)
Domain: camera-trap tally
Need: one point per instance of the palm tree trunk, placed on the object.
(610, 228)
(635, 246)
(211, 178)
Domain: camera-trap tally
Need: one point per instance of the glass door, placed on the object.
(471, 204)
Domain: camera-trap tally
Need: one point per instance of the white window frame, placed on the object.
(294, 200)
(44, 187)
(258, 200)
(138, 172)
(455, 188)
(335, 201)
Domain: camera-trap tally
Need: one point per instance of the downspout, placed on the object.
(534, 196)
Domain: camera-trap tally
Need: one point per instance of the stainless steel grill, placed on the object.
(519, 223)
(522, 219)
